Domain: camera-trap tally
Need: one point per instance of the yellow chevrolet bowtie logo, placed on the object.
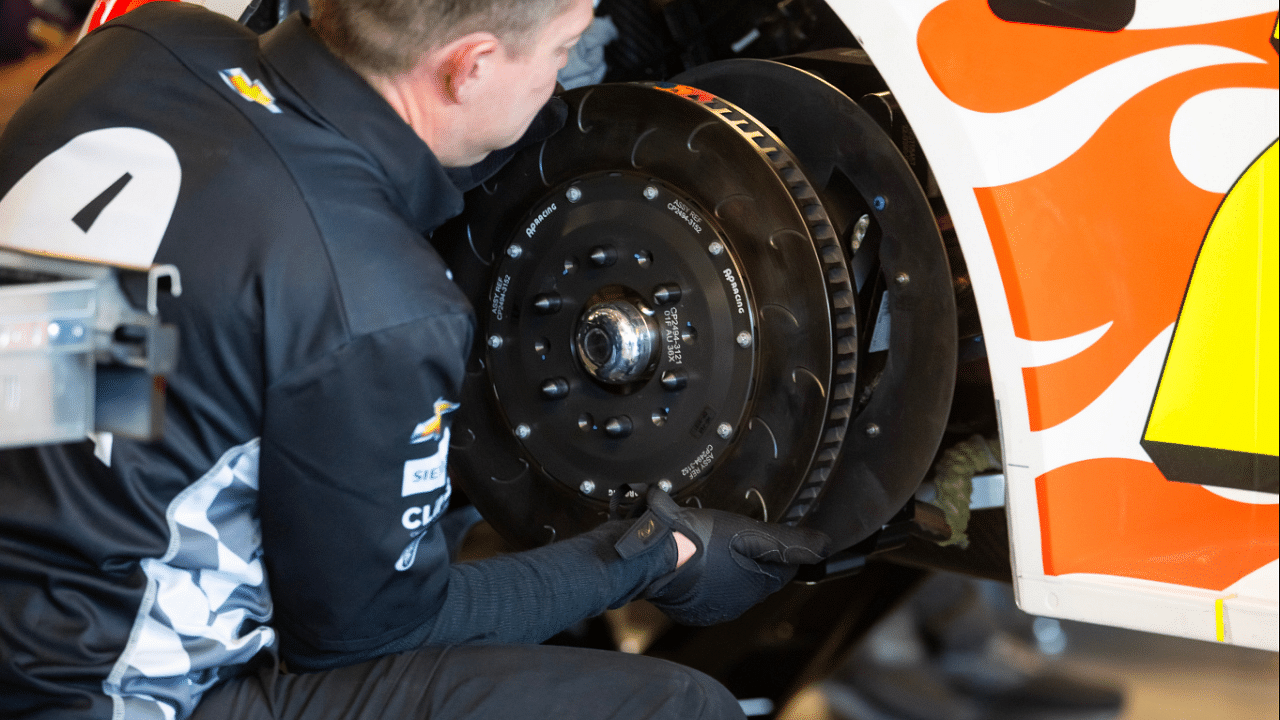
(251, 90)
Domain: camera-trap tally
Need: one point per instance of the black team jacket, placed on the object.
(292, 505)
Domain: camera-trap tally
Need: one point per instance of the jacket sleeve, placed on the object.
(352, 486)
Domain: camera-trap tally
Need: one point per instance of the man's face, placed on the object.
(522, 83)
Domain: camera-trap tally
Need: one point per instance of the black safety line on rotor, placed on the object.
(840, 294)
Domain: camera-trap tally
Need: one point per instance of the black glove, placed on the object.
(739, 561)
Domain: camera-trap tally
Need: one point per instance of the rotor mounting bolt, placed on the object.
(872, 430)
(879, 203)
(664, 486)
(715, 248)
(587, 487)
(667, 293)
(651, 193)
(574, 194)
(514, 251)
(495, 341)
(618, 427)
(744, 339)
(725, 430)
(603, 255)
(555, 388)
(902, 278)
(673, 380)
(547, 303)
(522, 431)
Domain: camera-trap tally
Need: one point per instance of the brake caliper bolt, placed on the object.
(587, 487)
(574, 194)
(715, 248)
(495, 341)
(514, 251)
(651, 193)
(664, 486)
(902, 278)
(522, 431)
(872, 430)
(725, 430)
(744, 339)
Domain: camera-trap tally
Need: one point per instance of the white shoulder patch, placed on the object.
(107, 196)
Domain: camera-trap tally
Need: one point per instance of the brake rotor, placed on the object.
(661, 299)
(907, 353)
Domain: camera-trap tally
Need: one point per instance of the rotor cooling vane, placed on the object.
(662, 298)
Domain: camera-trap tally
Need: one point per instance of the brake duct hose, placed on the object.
(953, 477)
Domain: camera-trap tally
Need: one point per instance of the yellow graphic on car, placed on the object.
(1215, 418)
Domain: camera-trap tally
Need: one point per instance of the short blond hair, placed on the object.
(387, 37)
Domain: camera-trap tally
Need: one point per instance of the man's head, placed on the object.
(467, 75)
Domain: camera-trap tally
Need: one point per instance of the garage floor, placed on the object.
(1164, 678)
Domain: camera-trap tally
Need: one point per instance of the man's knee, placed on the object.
(698, 697)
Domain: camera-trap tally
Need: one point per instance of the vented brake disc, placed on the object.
(661, 299)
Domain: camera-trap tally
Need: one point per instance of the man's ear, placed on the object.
(466, 64)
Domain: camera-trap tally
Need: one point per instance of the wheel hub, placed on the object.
(616, 384)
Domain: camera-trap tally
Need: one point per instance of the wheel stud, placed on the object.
(618, 427)
(555, 388)
(674, 380)
(666, 293)
(547, 303)
(603, 255)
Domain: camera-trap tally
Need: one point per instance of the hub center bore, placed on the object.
(615, 341)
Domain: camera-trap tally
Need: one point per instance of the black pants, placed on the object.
(497, 682)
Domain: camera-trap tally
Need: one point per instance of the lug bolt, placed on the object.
(673, 380)
(872, 430)
(725, 430)
(618, 427)
(522, 431)
(902, 278)
(574, 194)
(651, 193)
(603, 256)
(547, 303)
(495, 341)
(667, 293)
(555, 388)
(744, 339)
(514, 251)
(587, 487)
(664, 486)
(715, 248)
(879, 203)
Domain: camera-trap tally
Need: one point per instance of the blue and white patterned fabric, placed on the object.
(207, 603)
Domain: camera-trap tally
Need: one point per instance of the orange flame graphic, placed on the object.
(1108, 235)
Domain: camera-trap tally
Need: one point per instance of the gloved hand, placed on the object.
(739, 561)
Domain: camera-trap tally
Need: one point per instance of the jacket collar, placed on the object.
(346, 102)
